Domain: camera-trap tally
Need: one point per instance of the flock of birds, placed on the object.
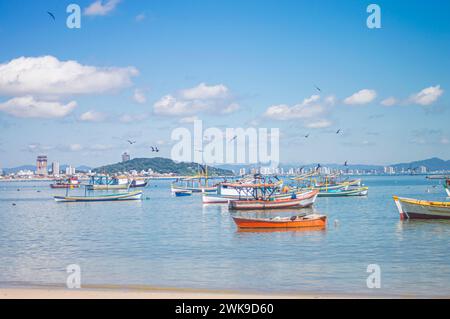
(154, 148)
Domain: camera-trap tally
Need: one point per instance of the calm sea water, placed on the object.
(166, 241)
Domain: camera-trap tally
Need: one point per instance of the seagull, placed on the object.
(338, 131)
(307, 135)
(317, 88)
(233, 138)
(156, 149)
(52, 15)
(153, 149)
(131, 142)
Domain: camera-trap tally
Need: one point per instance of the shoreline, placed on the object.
(148, 292)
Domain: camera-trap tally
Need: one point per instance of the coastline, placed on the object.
(158, 293)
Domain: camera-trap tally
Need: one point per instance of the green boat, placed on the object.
(101, 198)
(360, 191)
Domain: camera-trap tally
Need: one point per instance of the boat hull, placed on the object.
(363, 191)
(409, 208)
(448, 191)
(304, 200)
(112, 197)
(319, 221)
(182, 193)
(64, 185)
(194, 189)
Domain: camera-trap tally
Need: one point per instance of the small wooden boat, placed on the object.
(71, 182)
(182, 192)
(138, 183)
(101, 198)
(302, 200)
(421, 209)
(300, 221)
(358, 191)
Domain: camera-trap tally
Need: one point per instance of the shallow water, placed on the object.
(171, 241)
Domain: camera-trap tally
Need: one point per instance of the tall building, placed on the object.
(242, 171)
(389, 170)
(70, 170)
(423, 169)
(55, 168)
(41, 165)
(125, 157)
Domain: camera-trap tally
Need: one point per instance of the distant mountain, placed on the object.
(432, 164)
(160, 165)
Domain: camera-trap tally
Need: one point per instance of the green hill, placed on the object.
(160, 165)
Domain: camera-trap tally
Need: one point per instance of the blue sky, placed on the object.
(142, 68)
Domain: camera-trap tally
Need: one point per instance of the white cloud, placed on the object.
(361, 97)
(189, 119)
(75, 147)
(202, 98)
(101, 8)
(140, 17)
(427, 96)
(309, 108)
(444, 141)
(319, 124)
(28, 107)
(390, 101)
(92, 116)
(47, 76)
(203, 92)
(139, 96)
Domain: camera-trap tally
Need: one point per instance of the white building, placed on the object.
(242, 171)
(55, 168)
(423, 169)
(389, 170)
(70, 170)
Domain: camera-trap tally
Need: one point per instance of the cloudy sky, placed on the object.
(138, 69)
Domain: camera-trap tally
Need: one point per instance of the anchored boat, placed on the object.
(71, 182)
(101, 198)
(182, 192)
(299, 221)
(358, 191)
(297, 201)
(421, 209)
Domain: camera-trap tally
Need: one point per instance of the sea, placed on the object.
(177, 242)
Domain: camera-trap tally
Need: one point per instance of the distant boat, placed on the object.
(139, 183)
(301, 221)
(421, 209)
(302, 200)
(104, 182)
(182, 192)
(359, 191)
(101, 198)
(71, 182)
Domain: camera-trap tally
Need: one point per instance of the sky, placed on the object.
(136, 70)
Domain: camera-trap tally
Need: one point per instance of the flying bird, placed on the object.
(51, 15)
(156, 149)
(153, 149)
(338, 131)
(131, 142)
(318, 166)
(232, 139)
(307, 135)
(317, 88)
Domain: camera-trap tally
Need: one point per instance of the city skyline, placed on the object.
(136, 71)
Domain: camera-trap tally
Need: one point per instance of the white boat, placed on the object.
(409, 208)
(101, 198)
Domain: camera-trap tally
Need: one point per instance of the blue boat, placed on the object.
(182, 192)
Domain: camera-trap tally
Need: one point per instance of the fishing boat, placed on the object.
(137, 195)
(104, 182)
(71, 182)
(296, 201)
(138, 183)
(357, 191)
(299, 221)
(182, 192)
(421, 209)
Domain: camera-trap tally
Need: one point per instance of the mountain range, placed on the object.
(164, 165)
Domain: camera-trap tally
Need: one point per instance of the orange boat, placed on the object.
(310, 221)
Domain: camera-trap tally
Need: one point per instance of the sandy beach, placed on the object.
(150, 293)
